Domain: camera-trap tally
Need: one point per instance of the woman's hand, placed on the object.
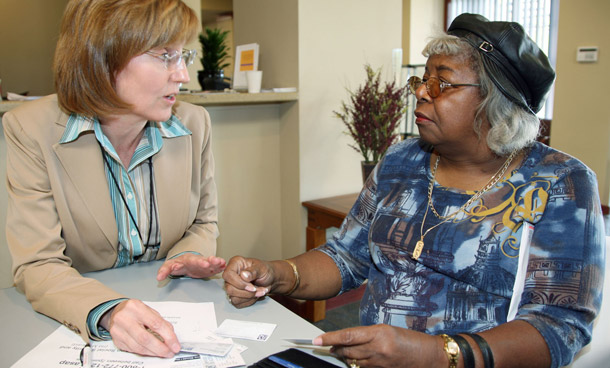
(384, 346)
(192, 265)
(137, 328)
(247, 280)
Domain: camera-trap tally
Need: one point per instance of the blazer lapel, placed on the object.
(83, 164)
(173, 176)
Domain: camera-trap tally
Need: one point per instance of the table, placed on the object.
(23, 328)
(322, 214)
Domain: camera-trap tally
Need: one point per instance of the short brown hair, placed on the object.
(99, 37)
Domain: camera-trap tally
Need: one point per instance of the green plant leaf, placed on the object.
(214, 50)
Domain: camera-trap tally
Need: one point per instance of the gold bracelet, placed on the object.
(452, 350)
(297, 276)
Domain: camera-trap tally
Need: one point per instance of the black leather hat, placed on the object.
(515, 64)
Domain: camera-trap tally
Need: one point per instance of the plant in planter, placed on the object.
(215, 52)
(372, 117)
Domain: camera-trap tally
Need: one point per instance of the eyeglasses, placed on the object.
(434, 86)
(173, 60)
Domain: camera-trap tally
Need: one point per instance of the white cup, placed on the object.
(254, 78)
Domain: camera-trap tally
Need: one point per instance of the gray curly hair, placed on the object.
(512, 127)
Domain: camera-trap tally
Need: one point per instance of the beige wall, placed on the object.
(246, 148)
(426, 20)
(336, 39)
(273, 24)
(581, 114)
(29, 31)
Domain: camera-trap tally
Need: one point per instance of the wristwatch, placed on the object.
(452, 350)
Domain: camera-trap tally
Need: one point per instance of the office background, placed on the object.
(271, 157)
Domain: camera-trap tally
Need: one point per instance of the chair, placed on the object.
(597, 353)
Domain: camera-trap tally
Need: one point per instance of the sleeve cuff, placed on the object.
(97, 332)
(181, 253)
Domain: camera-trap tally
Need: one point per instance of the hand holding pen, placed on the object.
(137, 328)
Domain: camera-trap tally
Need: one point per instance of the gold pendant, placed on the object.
(419, 246)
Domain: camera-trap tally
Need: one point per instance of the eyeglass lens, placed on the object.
(174, 61)
(188, 56)
(433, 86)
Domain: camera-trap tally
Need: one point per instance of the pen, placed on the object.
(159, 337)
(85, 356)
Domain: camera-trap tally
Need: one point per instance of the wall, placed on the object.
(336, 39)
(426, 20)
(273, 24)
(29, 31)
(246, 146)
(581, 115)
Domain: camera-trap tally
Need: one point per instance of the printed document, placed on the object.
(193, 323)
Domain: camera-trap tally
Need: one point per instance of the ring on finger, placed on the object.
(354, 364)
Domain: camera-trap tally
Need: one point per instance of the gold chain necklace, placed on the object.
(419, 246)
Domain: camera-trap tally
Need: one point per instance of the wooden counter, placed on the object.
(209, 99)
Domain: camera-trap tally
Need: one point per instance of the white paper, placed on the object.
(524, 252)
(192, 322)
(209, 344)
(258, 331)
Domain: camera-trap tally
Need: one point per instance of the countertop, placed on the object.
(208, 99)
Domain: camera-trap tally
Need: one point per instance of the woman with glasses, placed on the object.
(479, 246)
(112, 171)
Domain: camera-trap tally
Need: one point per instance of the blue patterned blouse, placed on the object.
(464, 279)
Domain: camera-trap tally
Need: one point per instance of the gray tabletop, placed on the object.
(23, 328)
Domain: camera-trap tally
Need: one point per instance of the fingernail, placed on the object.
(176, 348)
(317, 341)
(245, 275)
(261, 292)
(251, 288)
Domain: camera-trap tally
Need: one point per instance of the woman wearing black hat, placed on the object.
(480, 246)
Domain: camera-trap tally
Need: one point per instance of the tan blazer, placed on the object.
(60, 221)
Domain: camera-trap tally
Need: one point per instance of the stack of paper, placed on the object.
(203, 345)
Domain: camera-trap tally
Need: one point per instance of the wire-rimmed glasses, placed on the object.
(434, 86)
(173, 60)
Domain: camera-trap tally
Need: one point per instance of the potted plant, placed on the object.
(215, 52)
(372, 116)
